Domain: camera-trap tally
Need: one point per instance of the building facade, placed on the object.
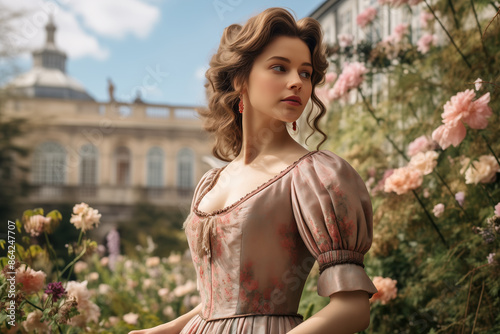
(111, 154)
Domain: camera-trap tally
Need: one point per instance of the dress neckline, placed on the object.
(215, 178)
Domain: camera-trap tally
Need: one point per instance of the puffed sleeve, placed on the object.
(334, 216)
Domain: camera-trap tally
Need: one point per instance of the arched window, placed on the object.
(185, 169)
(122, 163)
(155, 167)
(88, 166)
(49, 164)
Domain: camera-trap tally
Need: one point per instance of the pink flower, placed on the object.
(424, 161)
(425, 42)
(460, 197)
(478, 83)
(399, 31)
(33, 281)
(474, 113)
(421, 144)
(345, 40)
(438, 210)
(351, 77)
(449, 134)
(33, 323)
(366, 17)
(330, 77)
(35, 225)
(381, 184)
(88, 310)
(497, 209)
(425, 17)
(387, 289)
(403, 179)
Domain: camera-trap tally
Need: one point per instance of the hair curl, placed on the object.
(233, 61)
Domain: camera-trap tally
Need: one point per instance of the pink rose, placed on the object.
(351, 77)
(399, 31)
(345, 40)
(497, 209)
(452, 133)
(32, 281)
(35, 225)
(421, 144)
(425, 42)
(403, 179)
(387, 289)
(462, 108)
(366, 17)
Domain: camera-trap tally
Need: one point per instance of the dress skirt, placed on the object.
(255, 324)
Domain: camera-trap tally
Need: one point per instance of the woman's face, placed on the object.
(282, 72)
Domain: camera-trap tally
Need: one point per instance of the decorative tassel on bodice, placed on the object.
(207, 226)
(200, 230)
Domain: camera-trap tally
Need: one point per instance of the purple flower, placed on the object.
(460, 197)
(113, 239)
(56, 290)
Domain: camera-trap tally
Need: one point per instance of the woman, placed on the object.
(258, 224)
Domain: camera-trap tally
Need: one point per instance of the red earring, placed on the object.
(294, 126)
(241, 104)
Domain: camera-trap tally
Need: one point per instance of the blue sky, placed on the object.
(129, 40)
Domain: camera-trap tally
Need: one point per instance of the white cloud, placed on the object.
(110, 18)
(116, 18)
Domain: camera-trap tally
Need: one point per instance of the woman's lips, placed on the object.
(293, 103)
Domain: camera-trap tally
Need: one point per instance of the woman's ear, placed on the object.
(238, 87)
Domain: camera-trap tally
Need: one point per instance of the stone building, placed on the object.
(107, 154)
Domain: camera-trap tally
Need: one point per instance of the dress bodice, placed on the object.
(254, 256)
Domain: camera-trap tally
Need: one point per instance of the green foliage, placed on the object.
(164, 224)
(440, 289)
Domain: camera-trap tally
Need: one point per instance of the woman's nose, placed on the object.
(295, 81)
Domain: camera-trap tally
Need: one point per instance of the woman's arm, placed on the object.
(171, 327)
(348, 312)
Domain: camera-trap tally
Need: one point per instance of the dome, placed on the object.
(48, 77)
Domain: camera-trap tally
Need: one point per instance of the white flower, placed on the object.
(438, 210)
(131, 318)
(424, 161)
(482, 171)
(169, 312)
(152, 261)
(478, 83)
(85, 217)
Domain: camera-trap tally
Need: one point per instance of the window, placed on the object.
(88, 167)
(185, 169)
(122, 160)
(155, 167)
(49, 164)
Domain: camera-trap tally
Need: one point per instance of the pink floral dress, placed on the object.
(253, 257)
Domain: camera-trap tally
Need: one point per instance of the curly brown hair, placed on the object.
(233, 61)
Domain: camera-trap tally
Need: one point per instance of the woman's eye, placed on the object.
(307, 74)
(278, 66)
